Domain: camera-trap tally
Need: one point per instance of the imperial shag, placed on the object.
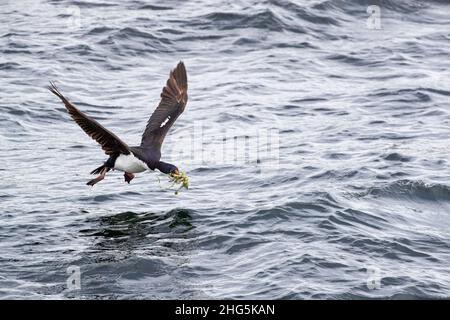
(147, 156)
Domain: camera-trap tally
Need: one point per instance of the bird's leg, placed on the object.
(128, 177)
(99, 178)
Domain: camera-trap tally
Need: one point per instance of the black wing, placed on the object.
(110, 143)
(173, 101)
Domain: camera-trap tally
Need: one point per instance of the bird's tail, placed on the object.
(98, 170)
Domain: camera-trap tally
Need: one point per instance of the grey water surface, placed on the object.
(352, 200)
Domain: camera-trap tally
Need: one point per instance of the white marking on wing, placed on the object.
(165, 121)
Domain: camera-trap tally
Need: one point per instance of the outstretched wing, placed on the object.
(173, 101)
(109, 141)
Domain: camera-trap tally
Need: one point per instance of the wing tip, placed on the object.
(180, 67)
(180, 75)
(53, 89)
(180, 64)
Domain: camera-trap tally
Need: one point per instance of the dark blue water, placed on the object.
(352, 201)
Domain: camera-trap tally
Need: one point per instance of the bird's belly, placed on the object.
(129, 163)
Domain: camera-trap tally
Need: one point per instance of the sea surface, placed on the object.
(316, 139)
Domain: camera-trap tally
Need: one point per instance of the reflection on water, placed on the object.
(141, 225)
(131, 247)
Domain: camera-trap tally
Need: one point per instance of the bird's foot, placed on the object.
(128, 177)
(99, 178)
(96, 180)
(91, 182)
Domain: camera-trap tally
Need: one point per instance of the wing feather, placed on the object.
(109, 142)
(173, 101)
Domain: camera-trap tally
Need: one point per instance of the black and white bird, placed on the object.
(147, 156)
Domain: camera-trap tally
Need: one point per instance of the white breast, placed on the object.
(130, 163)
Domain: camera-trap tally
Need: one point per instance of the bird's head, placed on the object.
(173, 170)
(167, 168)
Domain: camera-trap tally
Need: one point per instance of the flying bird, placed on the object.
(147, 155)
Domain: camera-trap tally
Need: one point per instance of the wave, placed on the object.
(92, 4)
(132, 41)
(412, 190)
(9, 66)
(266, 19)
(421, 94)
(359, 6)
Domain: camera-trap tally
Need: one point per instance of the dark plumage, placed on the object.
(146, 156)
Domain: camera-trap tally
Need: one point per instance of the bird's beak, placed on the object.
(175, 173)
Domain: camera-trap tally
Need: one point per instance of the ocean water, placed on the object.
(316, 139)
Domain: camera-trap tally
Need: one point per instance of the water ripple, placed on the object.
(361, 178)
